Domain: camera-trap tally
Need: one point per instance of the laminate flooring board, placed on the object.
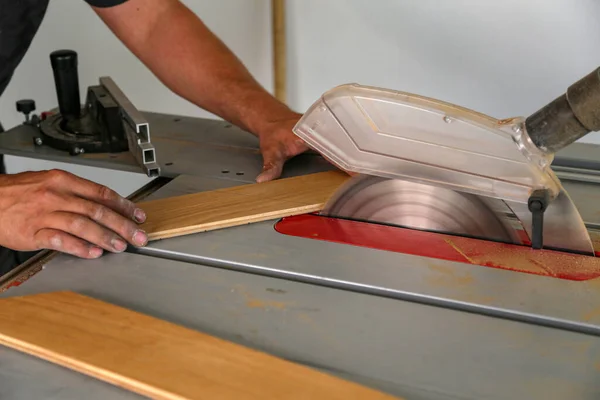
(156, 358)
(239, 205)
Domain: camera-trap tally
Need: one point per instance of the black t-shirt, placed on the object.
(19, 22)
(104, 3)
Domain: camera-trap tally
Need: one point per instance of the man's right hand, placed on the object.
(59, 211)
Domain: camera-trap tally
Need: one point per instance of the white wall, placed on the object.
(244, 25)
(503, 58)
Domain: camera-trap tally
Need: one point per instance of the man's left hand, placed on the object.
(277, 145)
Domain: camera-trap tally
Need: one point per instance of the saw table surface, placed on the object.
(416, 327)
(357, 330)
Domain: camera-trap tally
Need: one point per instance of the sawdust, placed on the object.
(455, 247)
(591, 315)
(444, 269)
(465, 283)
(303, 317)
(446, 276)
(525, 259)
(256, 303)
(593, 284)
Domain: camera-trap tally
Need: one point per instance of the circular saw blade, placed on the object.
(420, 206)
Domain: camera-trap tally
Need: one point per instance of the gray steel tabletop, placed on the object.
(407, 349)
(358, 313)
(259, 248)
(408, 325)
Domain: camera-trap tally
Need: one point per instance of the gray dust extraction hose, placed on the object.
(569, 117)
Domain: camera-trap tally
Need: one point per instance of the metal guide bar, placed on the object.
(137, 129)
(379, 291)
(577, 174)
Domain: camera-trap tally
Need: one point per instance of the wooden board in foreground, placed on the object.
(239, 205)
(156, 358)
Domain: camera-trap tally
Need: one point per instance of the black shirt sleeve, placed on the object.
(104, 3)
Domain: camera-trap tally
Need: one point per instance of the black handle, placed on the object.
(537, 204)
(569, 117)
(66, 79)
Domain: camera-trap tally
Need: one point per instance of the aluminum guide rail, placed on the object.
(137, 129)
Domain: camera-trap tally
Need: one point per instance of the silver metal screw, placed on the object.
(38, 141)
(516, 128)
(447, 119)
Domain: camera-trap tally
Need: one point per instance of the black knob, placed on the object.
(26, 106)
(66, 79)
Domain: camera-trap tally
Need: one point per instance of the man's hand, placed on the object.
(195, 64)
(278, 144)
(59, 211)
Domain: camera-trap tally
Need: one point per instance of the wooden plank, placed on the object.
(156, 358)
(222, 208)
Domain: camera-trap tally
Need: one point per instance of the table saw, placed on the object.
(377, 291)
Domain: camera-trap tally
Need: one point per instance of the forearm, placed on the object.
(189, 59)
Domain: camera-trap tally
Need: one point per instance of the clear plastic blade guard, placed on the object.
(398, 135)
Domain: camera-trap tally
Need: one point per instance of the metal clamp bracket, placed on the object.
(137, 129)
